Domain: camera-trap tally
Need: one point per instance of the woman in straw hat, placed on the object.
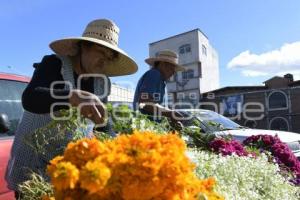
(74, 76)
(150, 90)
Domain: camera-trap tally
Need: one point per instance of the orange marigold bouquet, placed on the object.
(141, 166)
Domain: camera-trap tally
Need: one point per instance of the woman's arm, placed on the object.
(37, 96)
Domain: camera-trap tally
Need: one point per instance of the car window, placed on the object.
(215, 121)
(10, 102)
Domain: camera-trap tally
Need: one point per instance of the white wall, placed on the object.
(174, 43)
(209, 62)
(210, 79)
(120, 94)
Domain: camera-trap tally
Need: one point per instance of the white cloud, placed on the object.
(252, 73)
(296, 74)
(279, 61)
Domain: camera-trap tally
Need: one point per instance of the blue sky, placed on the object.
(255, 39)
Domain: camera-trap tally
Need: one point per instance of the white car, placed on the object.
(212, 122)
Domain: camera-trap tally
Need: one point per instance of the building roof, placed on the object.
(295, 83)
(236, 88)
(197, 29)
(14, 77)
(253, 88)
(274, 77)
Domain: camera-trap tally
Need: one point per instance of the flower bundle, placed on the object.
(140, 166)
(262, 141)
(282, 153)
(227, 147)
(245, 178)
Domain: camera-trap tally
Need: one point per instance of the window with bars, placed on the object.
(204, 51)
(278, 100)
(188, 74)
(186, 48)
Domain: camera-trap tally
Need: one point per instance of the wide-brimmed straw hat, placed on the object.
(165, 56)
(105, 33)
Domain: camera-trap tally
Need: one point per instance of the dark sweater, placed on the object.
(37, 98)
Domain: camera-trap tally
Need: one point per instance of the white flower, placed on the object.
(244, 178)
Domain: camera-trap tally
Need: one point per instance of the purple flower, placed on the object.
(281, 152)
(227, 147)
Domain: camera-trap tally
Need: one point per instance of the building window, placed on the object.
(204, 51)
(199, 69)
(193, 96)
(186, 48)
(180, 96)
(278, 101)
(188, 74)
(279, 123)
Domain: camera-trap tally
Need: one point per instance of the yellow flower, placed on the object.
(46, 197)
(56, 160)
(94, 176)
(140, 166)
(205, 189)
(52, 167)
(64, 175)
(80, 152)
(70, 194)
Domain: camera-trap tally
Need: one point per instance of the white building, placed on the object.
(120, 94)
(200, 60)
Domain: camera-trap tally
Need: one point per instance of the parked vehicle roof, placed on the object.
(14, 77)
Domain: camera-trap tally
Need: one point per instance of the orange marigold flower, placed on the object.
(64, 175)
(46, 197)
(53, 163)
(80, 152)
(140, 166)
(209, 183)
(56, 160)
(94, 176)
(70, 194)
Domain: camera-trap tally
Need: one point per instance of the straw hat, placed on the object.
(102, 32)
(166, 56)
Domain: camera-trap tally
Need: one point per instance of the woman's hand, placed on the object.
(90, 105)
(175, 120)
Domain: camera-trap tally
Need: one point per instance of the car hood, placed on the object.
(284, 136)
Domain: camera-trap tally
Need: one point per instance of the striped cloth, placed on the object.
(24, 160)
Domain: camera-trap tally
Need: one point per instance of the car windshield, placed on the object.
(215, 121)
(10, 102)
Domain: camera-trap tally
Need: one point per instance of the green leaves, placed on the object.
(54, 137)
(126, 120)
(35, 188)
(196, 138)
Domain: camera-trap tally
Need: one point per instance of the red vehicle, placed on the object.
(11, 89)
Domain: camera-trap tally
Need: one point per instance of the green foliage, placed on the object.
(126, 120)
(252, 150)
(54, 136)
(196, 138)
(35, 188)
(102, 136)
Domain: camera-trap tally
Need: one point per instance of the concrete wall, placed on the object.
(210, 79)
(204, 66)
(120, 94)
(291, 114)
